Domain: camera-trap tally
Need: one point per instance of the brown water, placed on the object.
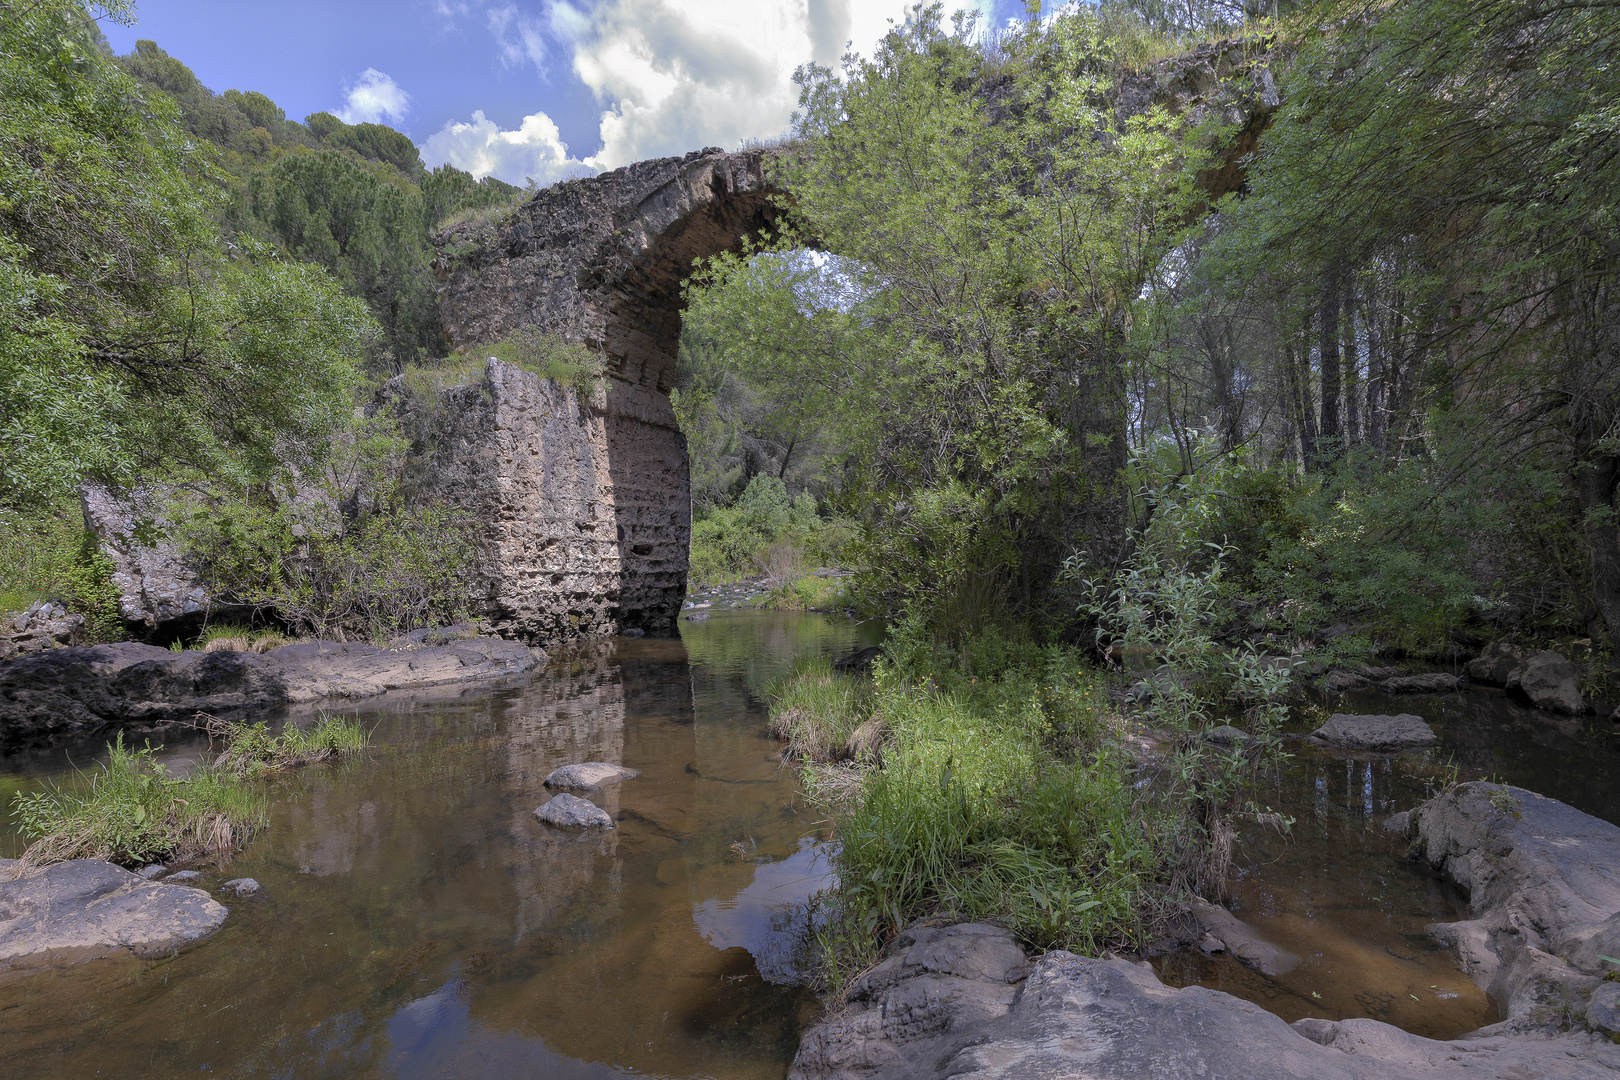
(1340, 894)
(417, 921)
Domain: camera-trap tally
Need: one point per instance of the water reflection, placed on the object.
(1340, 892)
(418, 921)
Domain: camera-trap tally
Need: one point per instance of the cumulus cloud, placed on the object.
(373, 98)
(535, 150)
(669, 75)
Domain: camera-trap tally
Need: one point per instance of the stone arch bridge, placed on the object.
(585, 505)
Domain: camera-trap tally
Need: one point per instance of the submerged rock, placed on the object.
(242, 886)
(956, 1002)
(1241, 941)
(1400, 732)
(78, 691)
(1551, 682)
(589, 775)
(1431, 682)
(84, 910)
(569, 812)
(1544, 888)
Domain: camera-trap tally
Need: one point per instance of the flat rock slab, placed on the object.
(1400, 732)
(1242, 942)
(589, 775)
(568, 812)
(74, 692)
(953, 1003)
(84, 910)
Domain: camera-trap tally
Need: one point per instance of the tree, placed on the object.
(130, 336)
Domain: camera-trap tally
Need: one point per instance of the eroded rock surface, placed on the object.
(73, 692)
(156, 583)
(1544, 888)
(1551, 682)
(42, 625)
(84, 910)
(1402, 731)
(955, 1002)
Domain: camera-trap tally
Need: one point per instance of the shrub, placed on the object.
(48, 554)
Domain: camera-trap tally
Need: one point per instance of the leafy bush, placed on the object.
(765, 532)
(48, 554)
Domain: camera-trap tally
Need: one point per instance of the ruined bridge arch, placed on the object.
(586, 506)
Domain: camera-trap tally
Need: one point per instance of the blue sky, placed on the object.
(543, 88)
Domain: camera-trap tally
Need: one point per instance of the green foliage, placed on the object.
(250, 749)
(47, 554)
(347, 557)
(765, 532)
(991, 796)
(128, 334)
(965, 341)
(131, 811)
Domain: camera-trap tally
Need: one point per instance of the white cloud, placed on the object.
(372, 98)
(480, 147)
(670, 75)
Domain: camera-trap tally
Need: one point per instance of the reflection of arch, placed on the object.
(601, 261)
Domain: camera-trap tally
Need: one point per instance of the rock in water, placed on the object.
(1552, 682)
(568, 812)
(242, 886)
(84, 909)
(1400, 732)
(1543, 883)
(589, 775)
(948, 1004)
(1429, 682)
(858, 662)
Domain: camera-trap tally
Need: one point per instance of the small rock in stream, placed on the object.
(589, 775)
(568, 812)
(242, 886)
(1401, 732)
(184, 877)
(152, 871)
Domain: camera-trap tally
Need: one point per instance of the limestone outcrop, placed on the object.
(76, 692)
(85, 910)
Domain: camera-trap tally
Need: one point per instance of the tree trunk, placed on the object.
(1352, 377)
(1375, 369)
(1331, 437)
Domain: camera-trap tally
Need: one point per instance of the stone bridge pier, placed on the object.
(585, 504)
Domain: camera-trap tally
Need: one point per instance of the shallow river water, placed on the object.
(418, 921)
(1338, 892)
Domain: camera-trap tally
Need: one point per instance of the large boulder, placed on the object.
(1544, 891)
(1498, 664)
(1400, 732)
(1551, 682)
(74, 692)
(84, 910)
(963, 1002)
(157, 585)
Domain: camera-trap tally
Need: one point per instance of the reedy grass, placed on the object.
(250, 749)
(998, 797)
(131, 811)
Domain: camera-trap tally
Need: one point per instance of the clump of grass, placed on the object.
(989, 792)
(250, 749)
(228, 637)
(824, 716)
(132, 812)
(811, 592)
